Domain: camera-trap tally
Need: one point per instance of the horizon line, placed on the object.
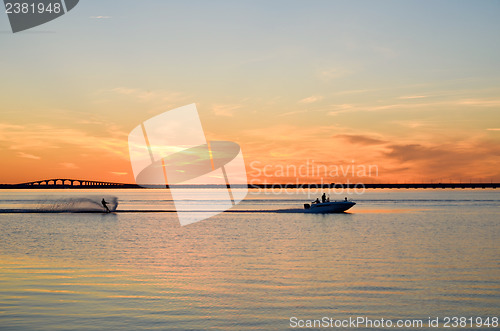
(83, 184)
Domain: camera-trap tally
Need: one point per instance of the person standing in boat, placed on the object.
(105, 204)
(323, 198)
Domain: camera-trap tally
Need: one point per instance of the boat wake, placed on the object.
(100, 210)
(86, 204)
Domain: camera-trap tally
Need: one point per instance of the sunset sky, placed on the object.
(412, 87)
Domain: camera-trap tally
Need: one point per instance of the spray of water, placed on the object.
(77, 204)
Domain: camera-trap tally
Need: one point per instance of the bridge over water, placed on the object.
(339, 186)
(68, 183)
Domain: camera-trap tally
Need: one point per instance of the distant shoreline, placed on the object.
(104, 185)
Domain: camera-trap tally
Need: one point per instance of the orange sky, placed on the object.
(282, 151)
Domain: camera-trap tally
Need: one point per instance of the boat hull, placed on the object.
(330, 207)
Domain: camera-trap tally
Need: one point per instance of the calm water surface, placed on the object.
(398, 254)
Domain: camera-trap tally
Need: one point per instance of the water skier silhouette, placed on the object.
(105, 204)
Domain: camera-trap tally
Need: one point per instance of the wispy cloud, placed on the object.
(413, 97)
(69, 165)
(448, 160)
(295, 112)
(7, 126)
(42, 137)
(348, 92)
(100, 17)
(493, 129)
(284, 130)
(333, 73)
(342, 108)
(28, 156)
(361, 139)
(225, 110)
(118, 173)
(412, 124)
(311, 99)
(148, 95)
(480, 102)
(410, 158)
(428, 106)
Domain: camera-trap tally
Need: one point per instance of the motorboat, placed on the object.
(328, 207)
